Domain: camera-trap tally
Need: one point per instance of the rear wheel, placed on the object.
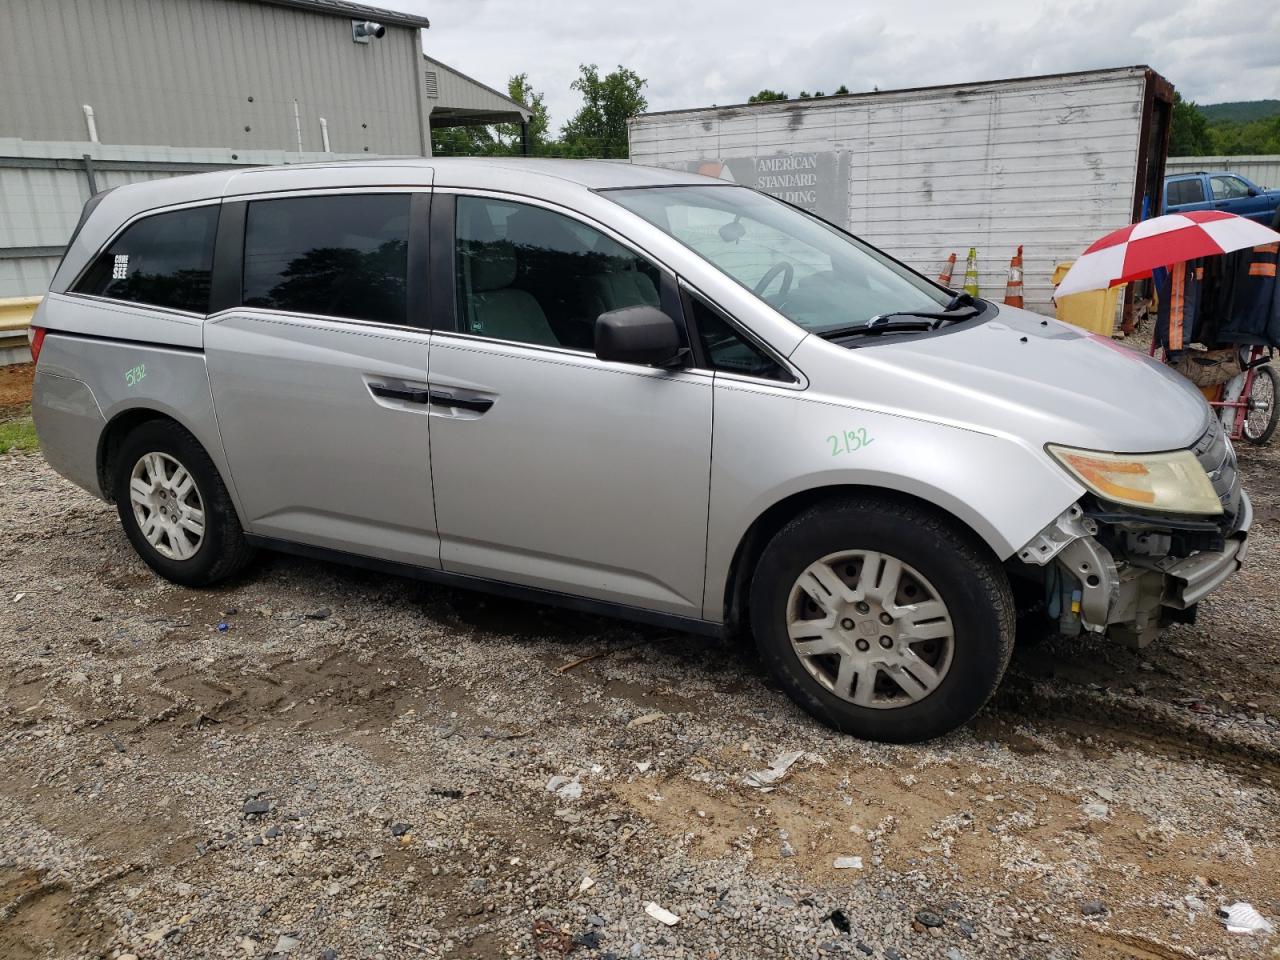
(1260, 419)
(175, 508)
(881, 619)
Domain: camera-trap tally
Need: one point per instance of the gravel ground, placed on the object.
(360, 766)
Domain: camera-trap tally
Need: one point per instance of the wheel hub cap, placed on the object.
(870, 629)
(167, 505)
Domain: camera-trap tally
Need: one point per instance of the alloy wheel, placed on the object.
(871, 629)
(167, 505)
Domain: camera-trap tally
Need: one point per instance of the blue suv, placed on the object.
(1219, 190)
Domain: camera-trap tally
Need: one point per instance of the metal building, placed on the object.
(455, 100)
(97, 93)
(294, 75)
(1050, 163)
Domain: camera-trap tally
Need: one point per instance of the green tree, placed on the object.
(599, 128)
(1189, 131)
(502, 139)
(1251, 138)
(470, 141)
(841, 91)
(767, 96)
(521, 91)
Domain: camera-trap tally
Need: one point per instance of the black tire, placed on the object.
(222, 551)
(967, 578)
(1266, 379)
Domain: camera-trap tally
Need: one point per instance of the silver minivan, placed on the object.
(633, 391)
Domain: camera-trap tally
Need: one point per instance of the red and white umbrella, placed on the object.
(1132, 252)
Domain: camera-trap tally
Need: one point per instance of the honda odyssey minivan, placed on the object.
(633, 391)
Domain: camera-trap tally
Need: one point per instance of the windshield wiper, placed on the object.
(939, 318)
(962, 299)
(900, 322)
(878, 326)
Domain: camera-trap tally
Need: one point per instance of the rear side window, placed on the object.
(165, 260)
(1185, 191)
(335, 256)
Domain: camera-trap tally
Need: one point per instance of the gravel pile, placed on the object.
(322, 762)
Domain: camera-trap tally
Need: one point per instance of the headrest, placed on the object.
(493, 266)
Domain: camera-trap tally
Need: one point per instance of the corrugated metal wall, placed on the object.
(1049, 163)
(1262, 170)
(197, 73)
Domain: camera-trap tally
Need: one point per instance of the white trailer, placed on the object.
(1050, 162)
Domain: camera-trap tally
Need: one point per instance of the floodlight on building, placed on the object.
(362, 31)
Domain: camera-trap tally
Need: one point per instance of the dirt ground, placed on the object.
(322, 762)
(15, 387)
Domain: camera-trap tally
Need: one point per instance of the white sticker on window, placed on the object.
(120, 268)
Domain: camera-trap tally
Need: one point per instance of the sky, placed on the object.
(713, 52)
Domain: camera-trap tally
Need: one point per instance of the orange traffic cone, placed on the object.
(971, 274)
(948, 271)
(1013, 292)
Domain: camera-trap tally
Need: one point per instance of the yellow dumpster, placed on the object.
(1094, 310)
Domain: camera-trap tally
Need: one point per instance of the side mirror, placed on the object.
(1253, 191)
(641, 334)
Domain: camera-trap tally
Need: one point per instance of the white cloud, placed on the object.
(697, 54)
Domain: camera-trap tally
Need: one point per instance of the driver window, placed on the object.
(1228, 188)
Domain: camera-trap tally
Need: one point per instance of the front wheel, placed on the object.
(1260, 419)
(881, 619)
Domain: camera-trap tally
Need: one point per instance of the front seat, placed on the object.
(617, 283)
(621, 288)
(494, 308)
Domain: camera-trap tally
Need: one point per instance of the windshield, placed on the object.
(811, 273)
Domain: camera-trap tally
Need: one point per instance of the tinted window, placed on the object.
(165, 260)
(728, 350)
(1185, 191)
(340, 256)
(1228, 188)
(531, 275)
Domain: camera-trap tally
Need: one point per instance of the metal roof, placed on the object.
(830, 99)
(462, 100)
(359, 11)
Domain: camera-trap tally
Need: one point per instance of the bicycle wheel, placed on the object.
(1260, 419)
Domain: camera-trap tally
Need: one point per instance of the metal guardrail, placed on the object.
(15, 315)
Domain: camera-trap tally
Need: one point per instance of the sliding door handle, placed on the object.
(407, 394)
(475, 404)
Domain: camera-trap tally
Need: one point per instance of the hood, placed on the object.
(1039, 379)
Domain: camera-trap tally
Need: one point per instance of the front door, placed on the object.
(319, 376)
(551, 468)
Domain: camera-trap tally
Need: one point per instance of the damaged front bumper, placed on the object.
(1122, 575)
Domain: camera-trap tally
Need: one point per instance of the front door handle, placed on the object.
(407, 394)
(475, 404)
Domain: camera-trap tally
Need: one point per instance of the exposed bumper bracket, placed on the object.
(1190, 579)
(1067, 528)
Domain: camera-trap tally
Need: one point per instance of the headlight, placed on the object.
(1174, 482)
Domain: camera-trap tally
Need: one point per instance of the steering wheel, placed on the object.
(783, 267)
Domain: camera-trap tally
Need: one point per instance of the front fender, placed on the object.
(772, 443)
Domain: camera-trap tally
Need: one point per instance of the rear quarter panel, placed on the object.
(124, 376)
